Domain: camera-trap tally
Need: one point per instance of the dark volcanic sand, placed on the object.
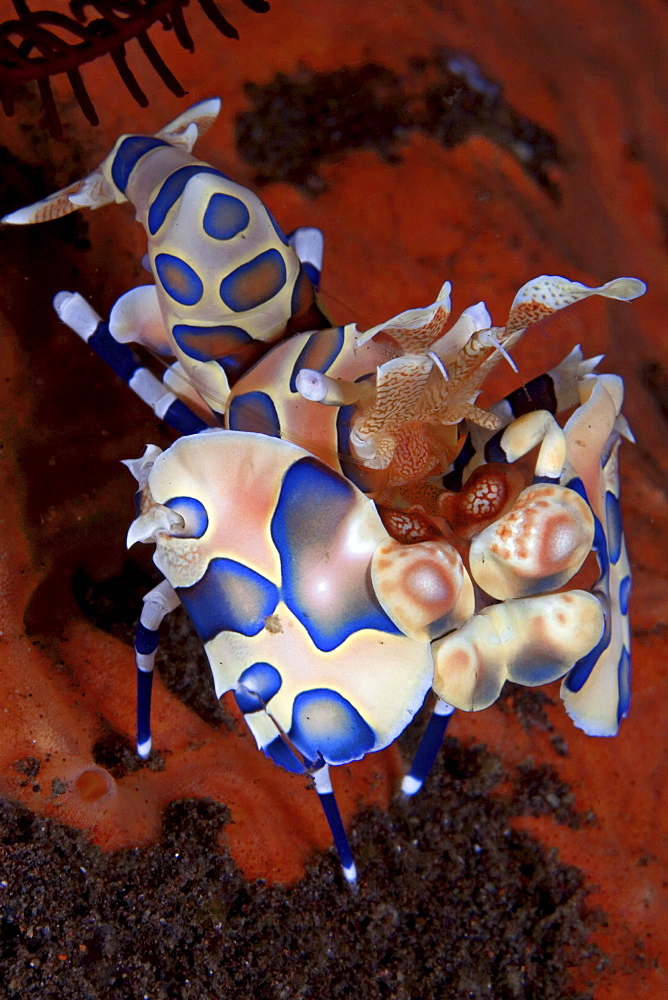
(452, 903)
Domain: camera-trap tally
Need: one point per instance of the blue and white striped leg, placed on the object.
(309, 245)
(157, 603)
(428, 748)
(76, 313)
(323, 785)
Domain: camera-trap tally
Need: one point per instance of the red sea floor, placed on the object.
(535, 867)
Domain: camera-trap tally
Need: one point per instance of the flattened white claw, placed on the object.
(531, 641)
(537, 546)
(424, 587)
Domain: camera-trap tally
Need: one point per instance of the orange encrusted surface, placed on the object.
(487, 210)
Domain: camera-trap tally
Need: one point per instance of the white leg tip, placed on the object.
(76, 313)
(350, 873)
(411, 785)
(144, 749)
(61, 299)
(309, 245)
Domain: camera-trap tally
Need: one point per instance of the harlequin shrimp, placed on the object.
(328, 630)
(359, 531)
(389, 431)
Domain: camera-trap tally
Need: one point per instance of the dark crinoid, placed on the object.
(35, 45)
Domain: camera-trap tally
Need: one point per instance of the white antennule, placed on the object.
(439, 364)
(489, 339)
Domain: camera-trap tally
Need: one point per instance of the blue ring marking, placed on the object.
(254, 411)
(146, 639)
(348, 464)
(125, 363)
(236, 365)
(600, 544)
(144, 690)
(303, 294)
(193, 512)
(579, 674)
(453, 480)
(343, 421)
(183, 419)
(255, 282)
(577, 677)
(429, 745)
(624, 681)
(624, 594)
(493, 450)
(538, 394)
(178, 279)
(312, 273)
(351, 468)
(119, 357)
(545, 480)
(128, 155)
(339, 836)
(318, 353)
(170, 192)
(209, 343)
(281, 754)
(600, 547)
(313, 504)
(613, 520)
(225, 217)
(279, 232)
(256, 686)
(325, 725)
(578, 487)
(230, 597)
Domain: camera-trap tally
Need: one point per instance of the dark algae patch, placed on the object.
(452, 904)
(298, 122)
